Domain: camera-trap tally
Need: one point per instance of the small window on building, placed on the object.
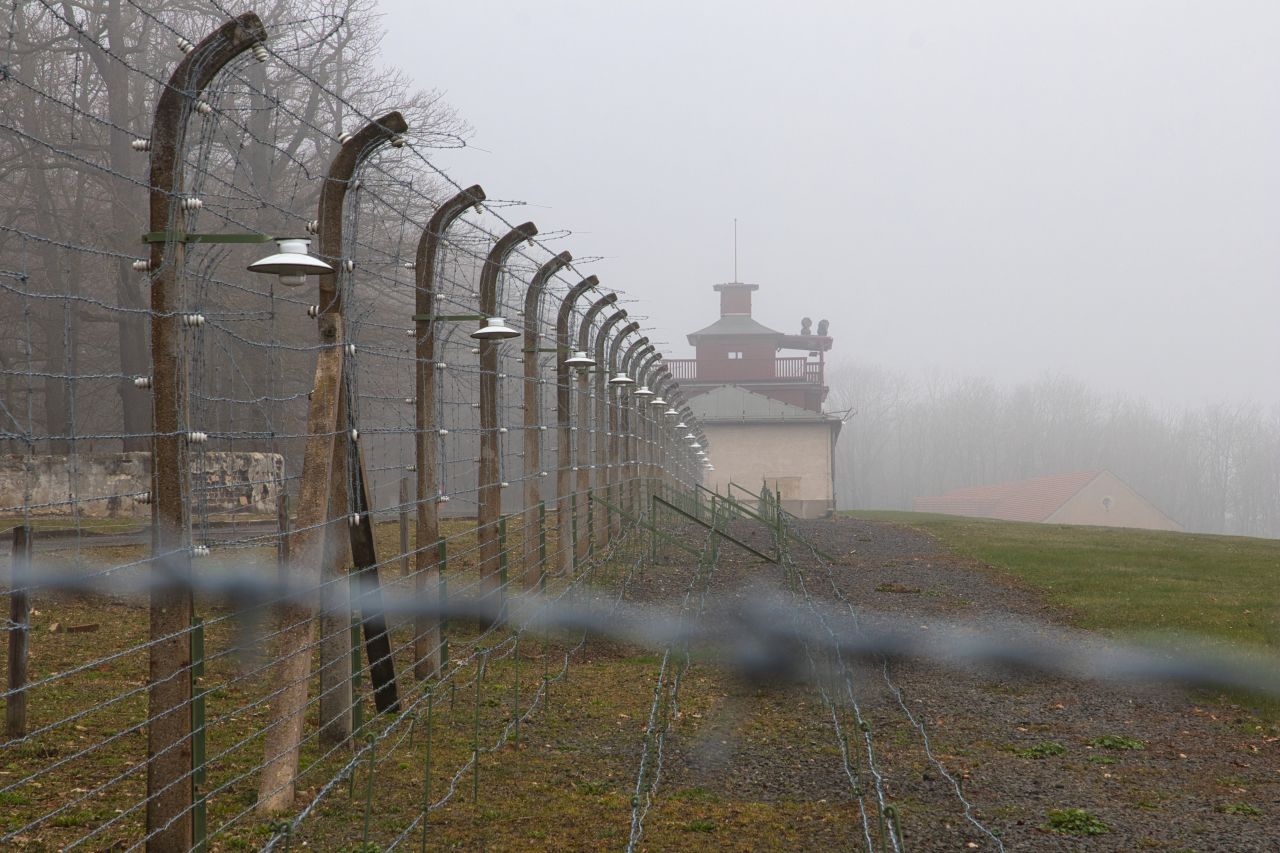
(786, 488)
(734, 356)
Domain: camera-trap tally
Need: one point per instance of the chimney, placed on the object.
(735, 298)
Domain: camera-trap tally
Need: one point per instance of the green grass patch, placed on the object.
(1046, 749)
(1224, 587)
(1117, 742)
(1224, 590)
(1239, 809)
(1075, 822)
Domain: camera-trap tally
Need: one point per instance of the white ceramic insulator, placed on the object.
(140, 144)
(355, 434)
(142, 382)
(313, 226)
(351, 349)
(442, 432)
(411, 332)
(185, 46)
(144, 498)
(475, 350)
(503, 484)
(313, 311)
(196, 437)
(441, 365)
(200, 551)
(348, 265)
(142, 266)
(410, 400)
(479, 209)
(354, 518)
(399, 140)
(443, 499)
(502, 430)
(410, 265)
(542, 473)
(192, 203)
(204, 107)
(344, 138)
(260, 52)
(411, 467)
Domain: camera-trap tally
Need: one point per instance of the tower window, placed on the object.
(734, 356)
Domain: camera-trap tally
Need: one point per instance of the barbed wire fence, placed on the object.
(418, 445)
(300, 539)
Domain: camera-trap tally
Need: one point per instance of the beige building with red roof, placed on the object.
(1097, 498)
(762, 412)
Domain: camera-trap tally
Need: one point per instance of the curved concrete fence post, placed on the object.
(489, 486)
(533, 471)
(169, 786)
(582, 428)
(427, 639)
(322, 492)
(564, 434)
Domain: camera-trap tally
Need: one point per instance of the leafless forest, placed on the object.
(1213, 469)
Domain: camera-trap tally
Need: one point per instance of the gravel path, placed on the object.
(1204, 779)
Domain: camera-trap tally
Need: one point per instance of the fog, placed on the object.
(995, 189)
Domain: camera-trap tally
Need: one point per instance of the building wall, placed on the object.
(112, 485)
(796, 456)
(714, 364)
(1108, 502)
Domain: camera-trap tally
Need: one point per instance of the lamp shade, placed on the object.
(495, 329)
(291, 262)
(622, 379)
(643, 391)
(671, 413)
(682, 425)
(658, 401)
(580, 359)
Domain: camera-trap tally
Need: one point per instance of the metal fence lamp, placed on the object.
(580, 360)
(495, 329)
(621, 379)
(291, 263)
(643, 391)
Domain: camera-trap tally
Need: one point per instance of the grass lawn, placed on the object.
(1224, 589)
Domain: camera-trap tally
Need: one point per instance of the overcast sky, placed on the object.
(994, 188)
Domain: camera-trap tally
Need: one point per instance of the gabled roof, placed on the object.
(736, 325)
(1023, 500)
(733, 403)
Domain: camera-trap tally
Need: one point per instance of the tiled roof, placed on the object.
(732, 325)
(735, 403)
(1024, 500)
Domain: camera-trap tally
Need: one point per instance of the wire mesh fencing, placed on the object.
(380, 408)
